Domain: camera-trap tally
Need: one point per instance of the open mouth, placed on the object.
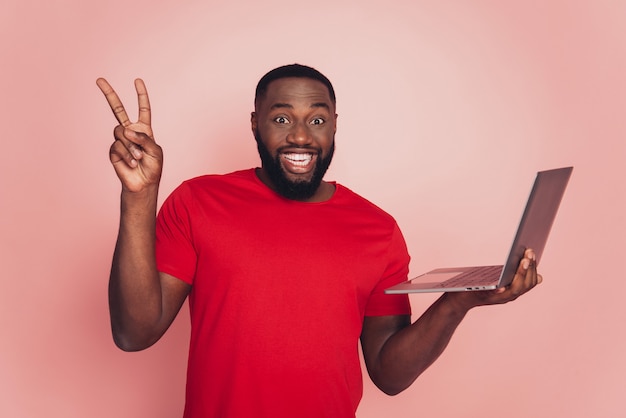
(298, 162)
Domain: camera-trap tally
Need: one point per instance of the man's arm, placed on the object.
(142, 302)
(396, 352)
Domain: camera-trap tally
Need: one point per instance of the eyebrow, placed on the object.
(289, 106)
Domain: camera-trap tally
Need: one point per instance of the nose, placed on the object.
(299, 134)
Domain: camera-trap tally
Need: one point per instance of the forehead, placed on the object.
(296, 90)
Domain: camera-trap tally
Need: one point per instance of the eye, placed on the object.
(318, 121)
(281, 119)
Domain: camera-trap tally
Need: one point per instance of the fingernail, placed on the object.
(525, 263)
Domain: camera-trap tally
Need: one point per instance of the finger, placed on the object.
(520, 281)
(134, 142)
(528, 277)
(120, 153)
(114, 102)
(144, 102)
(531, 275)
(532, 267)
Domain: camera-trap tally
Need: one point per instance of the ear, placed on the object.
(253, 121)
(335, 127)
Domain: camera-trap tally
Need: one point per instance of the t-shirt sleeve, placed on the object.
(397, 271)
(175, 252)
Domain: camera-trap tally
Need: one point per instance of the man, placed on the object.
(285, 272)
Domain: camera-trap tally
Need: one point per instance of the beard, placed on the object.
(294, 190)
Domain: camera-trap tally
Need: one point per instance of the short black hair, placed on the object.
(292, 70)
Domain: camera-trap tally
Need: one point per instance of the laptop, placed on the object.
(532, 232)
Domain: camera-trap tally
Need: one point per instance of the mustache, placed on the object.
(306, 147)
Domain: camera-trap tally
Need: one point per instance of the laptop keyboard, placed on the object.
(479, 276)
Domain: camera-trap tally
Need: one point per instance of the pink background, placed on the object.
(446, 111)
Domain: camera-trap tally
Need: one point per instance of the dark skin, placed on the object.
(296, 117)
(297, 121)
(143, 302)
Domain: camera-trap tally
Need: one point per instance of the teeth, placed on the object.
(299, 159)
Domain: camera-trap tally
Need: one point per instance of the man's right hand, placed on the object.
(136, 157)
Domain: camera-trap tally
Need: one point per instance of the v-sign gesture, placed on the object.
(143, 302)
(137, 159)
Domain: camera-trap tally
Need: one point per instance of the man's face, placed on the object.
(294, 125)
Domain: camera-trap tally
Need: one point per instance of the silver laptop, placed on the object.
(532, 232)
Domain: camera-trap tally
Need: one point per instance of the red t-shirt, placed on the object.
(279, 292)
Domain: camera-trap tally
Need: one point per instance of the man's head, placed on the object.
(292, 71)
(294, 124)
